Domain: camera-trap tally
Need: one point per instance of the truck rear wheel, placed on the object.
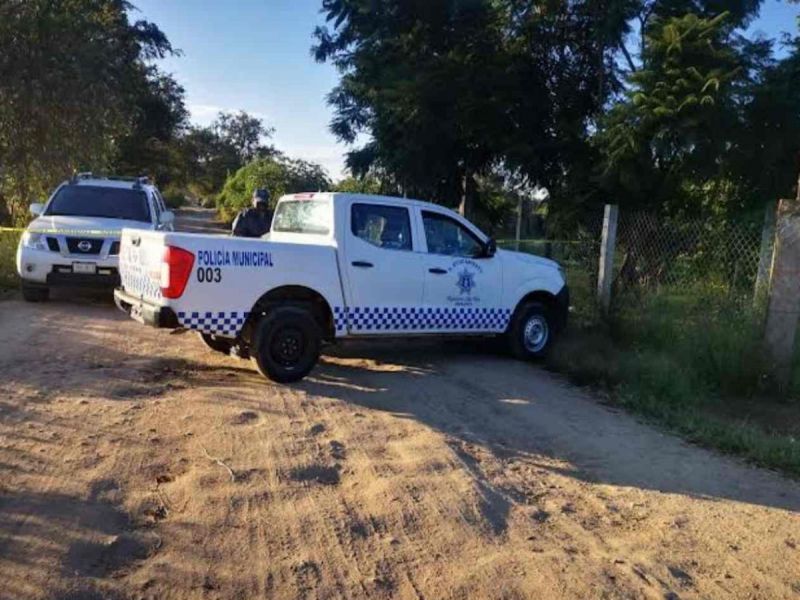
(35, 293)
(215, 343)
(532, 331)
(286, 344)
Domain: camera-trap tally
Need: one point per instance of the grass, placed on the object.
(8, 250)
(688, 359)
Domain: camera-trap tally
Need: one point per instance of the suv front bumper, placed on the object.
(145, 312)
(46, 268)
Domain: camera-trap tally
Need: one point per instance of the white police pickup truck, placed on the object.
(341, 266)
(75, 239)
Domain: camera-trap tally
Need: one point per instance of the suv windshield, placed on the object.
(303, 216)
(98, 201)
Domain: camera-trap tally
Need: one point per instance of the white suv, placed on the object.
(74, 241)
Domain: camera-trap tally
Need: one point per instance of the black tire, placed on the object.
(35, 293)
(215, 343)
(532, 331)
(286, 344)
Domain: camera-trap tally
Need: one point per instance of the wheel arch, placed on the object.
(557, 302)
(298, 295)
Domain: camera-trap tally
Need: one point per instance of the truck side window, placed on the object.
(380, 225)
(447, 236)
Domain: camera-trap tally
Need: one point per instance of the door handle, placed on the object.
(362, 263)
(437, 271)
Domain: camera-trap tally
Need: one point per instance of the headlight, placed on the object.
(34, 240)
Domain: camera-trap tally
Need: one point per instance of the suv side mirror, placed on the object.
(36, 209)
(490, 248)
(167, 218)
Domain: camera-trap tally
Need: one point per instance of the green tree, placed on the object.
(448, 91)
(69, 72)
(152, 146)
(244, 133)
(663, 145)
(279, 174)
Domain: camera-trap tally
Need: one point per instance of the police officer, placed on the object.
(255, 221)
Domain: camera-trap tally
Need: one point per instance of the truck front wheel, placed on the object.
(531, 333)
(35, 293)
(286, 344)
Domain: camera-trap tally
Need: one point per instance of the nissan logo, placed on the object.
(84, 245)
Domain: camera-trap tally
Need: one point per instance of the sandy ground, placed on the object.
(136, 464)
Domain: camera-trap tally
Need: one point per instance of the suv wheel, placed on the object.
(286, 344)
(532, 332)
(35, 293)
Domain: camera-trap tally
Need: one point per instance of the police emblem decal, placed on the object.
(466, 281)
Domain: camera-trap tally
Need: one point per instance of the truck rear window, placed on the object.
(303, 216)
(98, 201)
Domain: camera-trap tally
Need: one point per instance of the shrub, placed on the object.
(280, 175)
(9, 239)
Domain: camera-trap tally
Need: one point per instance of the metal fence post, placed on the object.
(605, 274)
(783, 308)
(519, 223)
(765, 254)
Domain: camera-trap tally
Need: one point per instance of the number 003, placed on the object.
(209, 274)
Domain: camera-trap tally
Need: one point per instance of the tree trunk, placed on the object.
(468, 192)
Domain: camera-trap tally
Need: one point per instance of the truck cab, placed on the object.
(337, 266)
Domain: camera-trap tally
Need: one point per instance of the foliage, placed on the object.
(160, 118)
(684, 358)
(664, 138)
(449, 90)
(355, 185)
(69, 70)
(279, 174)
(709, 124)
(9, 239)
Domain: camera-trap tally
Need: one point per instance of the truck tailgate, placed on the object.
(140, 264)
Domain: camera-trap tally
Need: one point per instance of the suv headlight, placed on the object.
(33, 240)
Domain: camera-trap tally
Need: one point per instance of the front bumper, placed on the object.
(561, 309)
(145, 312)
(44, 267)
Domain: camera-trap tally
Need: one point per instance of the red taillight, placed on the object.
(176, 267)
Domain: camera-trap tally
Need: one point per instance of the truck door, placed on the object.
(463, 288)
(383, 272)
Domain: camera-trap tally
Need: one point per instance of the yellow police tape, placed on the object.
(81, 232)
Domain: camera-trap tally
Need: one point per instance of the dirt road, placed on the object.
(136, 464)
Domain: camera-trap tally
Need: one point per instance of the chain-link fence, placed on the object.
(653, 254)
(576, 249)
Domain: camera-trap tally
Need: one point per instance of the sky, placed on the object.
(255, 55)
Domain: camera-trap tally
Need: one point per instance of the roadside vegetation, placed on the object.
(9, 238)
(688, 359)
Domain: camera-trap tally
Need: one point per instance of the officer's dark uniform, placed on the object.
(255, 221)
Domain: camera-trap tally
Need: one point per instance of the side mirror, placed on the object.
(167, 218)
(37, 208)
(490, 249)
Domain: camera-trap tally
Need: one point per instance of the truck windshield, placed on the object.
(303, 216)
(97, 201)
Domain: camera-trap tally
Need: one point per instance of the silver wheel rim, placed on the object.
(536, 333)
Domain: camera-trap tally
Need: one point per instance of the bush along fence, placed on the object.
(752, 267)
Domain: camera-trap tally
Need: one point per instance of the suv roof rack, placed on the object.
(137, 182)
(76, 177)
